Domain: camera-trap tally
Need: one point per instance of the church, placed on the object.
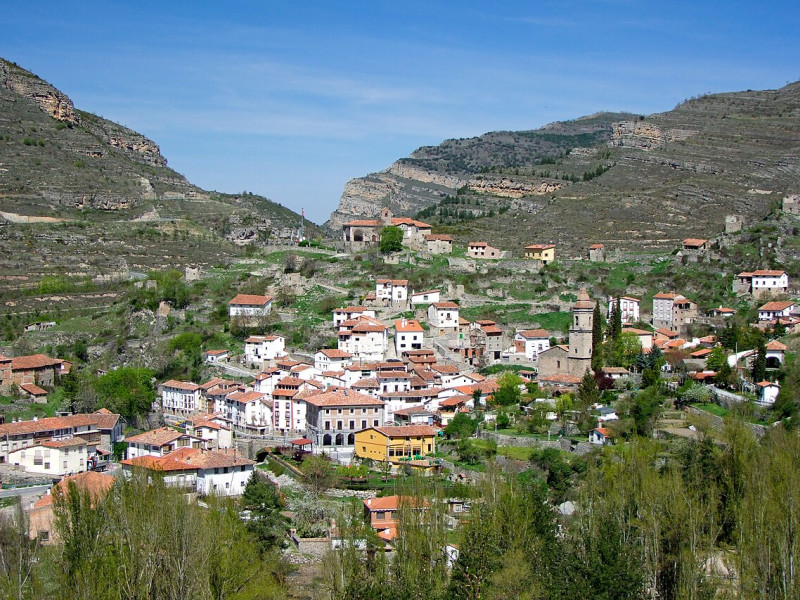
(576, 358)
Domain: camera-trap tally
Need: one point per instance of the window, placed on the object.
(380, 516)
(375, 423)
(64, 464)
(47, 466)
(44, 536)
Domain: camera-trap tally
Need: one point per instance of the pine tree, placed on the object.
(597, 339)
(759, 371)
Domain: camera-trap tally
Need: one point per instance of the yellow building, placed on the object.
(543, 252)
(393, 444)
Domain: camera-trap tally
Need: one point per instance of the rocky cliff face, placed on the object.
(49, 99)
(58, 105)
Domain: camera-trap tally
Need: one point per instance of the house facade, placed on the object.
(439, 243)
(261, 348)
(546, 253)
(395, 443)
(249, 305)
(180, 397)
(391, 291)
(629, 308)
(426, 297)
(444, 317)
(482, 250)
(408, 335)
(762, 282)
(334, 417)
(531, 343)
(362, 233)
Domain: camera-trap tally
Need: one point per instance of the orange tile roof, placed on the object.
(250, 300)
(156, 437)
(406, 431)
(342, 398)
(777, 305)
(432, 237)
(33, 389)
(101, 421)
(334, 353)
(96, 484)
(445, 305)
(408, 325)
(33, 361)
(181, 385)
(563, 378)
(540, 246)
(65, 443)
(775, 345)
(694, 242)
(534, 333)
(246, 397)
(477, 244)
(768, 273)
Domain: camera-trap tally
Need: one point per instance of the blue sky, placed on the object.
(291, 99)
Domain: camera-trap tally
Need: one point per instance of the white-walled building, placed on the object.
(56, 458)
(260, 348)
(161, 441)
(217, 472)
(774, 310)
(248, 412)
(408, 335)
(426, 297)
(180, 397)
(391, 291)
(629, 307)
(759, 283)
(348, 313)
(332, 359)
(531, 342)
(250, 305)
(443, 316)
(366, 339)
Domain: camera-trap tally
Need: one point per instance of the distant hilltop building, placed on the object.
(597, 253)
(733, 223)
(791, 204)
(363, 233)
(543, 252)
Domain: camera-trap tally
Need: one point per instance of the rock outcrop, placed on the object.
(49, 99)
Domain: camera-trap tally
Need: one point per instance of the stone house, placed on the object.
(482, 250)
(439, 243)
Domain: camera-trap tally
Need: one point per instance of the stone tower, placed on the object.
(580, 335)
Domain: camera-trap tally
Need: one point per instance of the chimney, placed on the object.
(369, 501)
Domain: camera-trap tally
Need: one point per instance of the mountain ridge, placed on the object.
(634, 181)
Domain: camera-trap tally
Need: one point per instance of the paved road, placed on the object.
(25, 491)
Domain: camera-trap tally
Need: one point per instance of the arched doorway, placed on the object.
(326, 439)
(339, 439)
(351, 439)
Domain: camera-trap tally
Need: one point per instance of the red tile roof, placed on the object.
(342, 398)
(405, 431)
(99, 420)
(778, 305)
(250, 300)
(34, 361)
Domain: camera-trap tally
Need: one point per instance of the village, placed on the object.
(413, 389)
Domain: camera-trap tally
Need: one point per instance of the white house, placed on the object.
(213, 356)
(332, 359)
(629, 308)
(248, 412)
(601, 436)
(56, 458)
(762, 282)
(180, 397)
(250, 305)
(531, 342)
(365, 338)
(215, 435)
(218, 472)
(161, 441)
(391, 291)
(768, 392)
(408, 335)
(774, 310)
(427, 297)
(260, 348)
(443, 316)
(348, 313)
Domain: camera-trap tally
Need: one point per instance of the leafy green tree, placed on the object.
(127, 391)
(266, 523)
(645, 410)
(461, 426)
(318, 473)
(391, 239)
(508, 391)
